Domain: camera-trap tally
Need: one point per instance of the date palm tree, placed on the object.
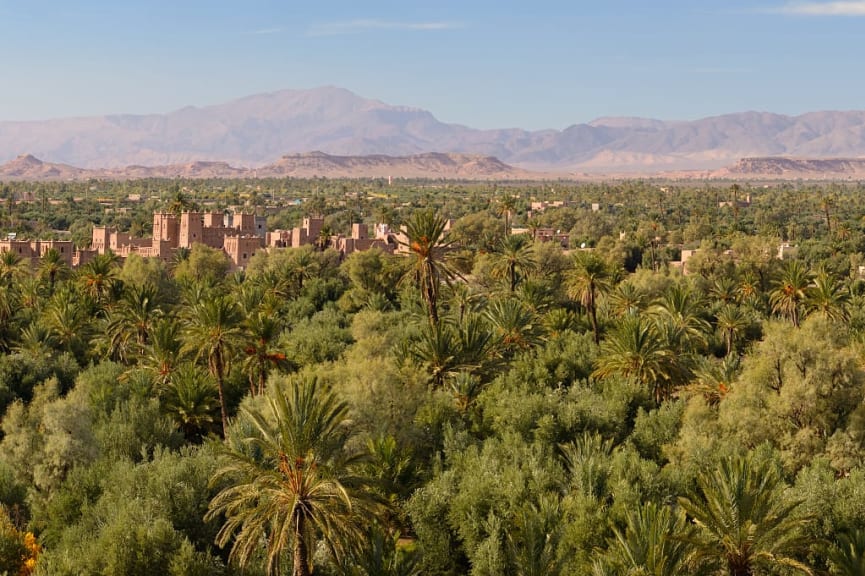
(827, 297)
(67, 320)
(132, 320)
(626, 299)
(636, 350)
(12, 268)
(99, 276)
(507, 205)
(52, 267)
(587, 280)
(654, 543)
(302, 266)
(289, 479)
(745, 521)
(514, 326)
(682, 307)
(847, 554)
(533, 544)
(713, 378)
(190, 398)
(260, 333)
(212, 334)
(513, 258)
(164, 352)
(426, 242)
(731, 321)
(723, 289)
(788, 296)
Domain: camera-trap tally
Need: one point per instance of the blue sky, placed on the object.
(540, 64)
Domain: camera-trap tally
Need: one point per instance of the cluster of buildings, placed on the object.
(239, 236)
(36, 249)
(311, 231)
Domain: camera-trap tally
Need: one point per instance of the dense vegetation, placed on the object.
(485, 405)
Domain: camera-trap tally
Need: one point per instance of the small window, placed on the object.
(244, 255)
(62, 249)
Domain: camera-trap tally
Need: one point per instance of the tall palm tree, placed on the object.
(515, 327)
(745, 521)
(426, 241)
(98, 276)
(302, 267)
(653, 543)
(212, 334)
(12, 267)
(847, 554)
(131, 322)
(731, 321)
(626, 299)
(788, 296)
(513, 258)
(713, 378)
(164, 352)
(67, 320)
(260, 333)
(9, 306)
(507, 205)
(636, 350)
(683, 308)
(827, 297)
(463, 298)
(533, 544)
(723, 289)
(52, 267)
(190, 398)
(589, 278)
(289, 479)
(447, 349)
(436, 347)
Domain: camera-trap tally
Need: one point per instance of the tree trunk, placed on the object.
(220, 377)
(301, 562)
(739, 568)
(593, 315)
(262, 377)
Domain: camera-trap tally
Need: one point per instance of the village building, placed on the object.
(34, 250)
(238, 235)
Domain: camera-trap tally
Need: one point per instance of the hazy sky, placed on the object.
(532, 64)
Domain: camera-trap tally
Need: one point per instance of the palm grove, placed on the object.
(484, 405)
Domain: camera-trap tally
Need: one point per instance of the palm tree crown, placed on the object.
(789, 294)
(588, 279)
(290, 480)
(745, 521)
(426, 241)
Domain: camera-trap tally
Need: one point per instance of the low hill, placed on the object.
(314, 164)
(430, 165)
(794, 168)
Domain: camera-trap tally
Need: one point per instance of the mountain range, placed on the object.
(259, 130)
